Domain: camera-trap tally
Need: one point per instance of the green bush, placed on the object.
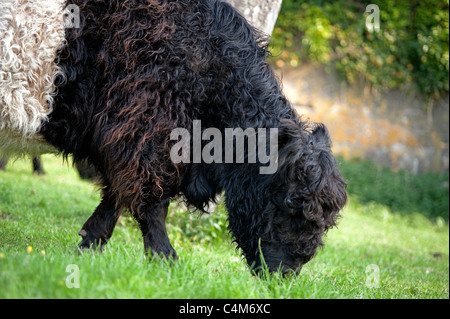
(410, 51)
(402, 192)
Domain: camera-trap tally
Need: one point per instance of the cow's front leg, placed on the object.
(152, 220)
(99, 227)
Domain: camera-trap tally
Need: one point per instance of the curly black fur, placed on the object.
(136, 70)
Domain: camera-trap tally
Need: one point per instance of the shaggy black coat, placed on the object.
(137, 69)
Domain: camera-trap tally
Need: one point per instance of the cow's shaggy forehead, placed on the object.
(31, 32)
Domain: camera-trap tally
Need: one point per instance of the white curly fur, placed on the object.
(31, 32)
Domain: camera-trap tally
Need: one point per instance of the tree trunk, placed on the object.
(262, 14)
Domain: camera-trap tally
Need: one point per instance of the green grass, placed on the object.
(374, 253)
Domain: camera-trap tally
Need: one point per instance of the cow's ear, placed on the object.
(321, 136)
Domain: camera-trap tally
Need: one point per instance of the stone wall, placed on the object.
(393, 129)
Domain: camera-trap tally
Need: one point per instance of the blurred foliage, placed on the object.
(402, 192)
(199, 227)
(411, 50)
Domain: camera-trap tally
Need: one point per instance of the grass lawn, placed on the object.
(374, 252)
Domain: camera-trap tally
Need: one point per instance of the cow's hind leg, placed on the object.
(99, 227)
(152, 220)
(37, 166)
